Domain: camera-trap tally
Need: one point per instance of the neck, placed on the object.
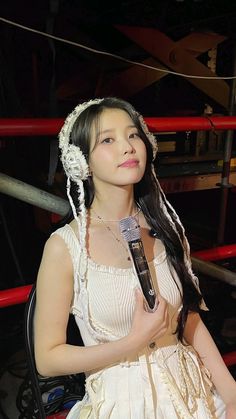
(116, 205)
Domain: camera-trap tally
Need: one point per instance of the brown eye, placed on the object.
(107, 141)
(134, 135)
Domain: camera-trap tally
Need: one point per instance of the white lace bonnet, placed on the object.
(75, 165)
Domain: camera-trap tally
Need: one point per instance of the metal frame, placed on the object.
(42, 127)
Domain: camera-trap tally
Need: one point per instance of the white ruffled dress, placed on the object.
(167, 381)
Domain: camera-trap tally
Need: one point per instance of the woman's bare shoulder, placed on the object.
(58, 237)
(56, 259)
(61, 244)
(56, 247)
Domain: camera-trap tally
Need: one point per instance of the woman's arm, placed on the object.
(197, 335)
(54, 295)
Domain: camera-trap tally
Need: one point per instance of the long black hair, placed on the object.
(150, 198)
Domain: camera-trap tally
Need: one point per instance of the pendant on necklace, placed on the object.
(128, 258)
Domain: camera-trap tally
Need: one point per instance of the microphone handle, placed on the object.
(144, 276)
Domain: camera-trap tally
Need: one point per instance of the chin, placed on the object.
(131, 181)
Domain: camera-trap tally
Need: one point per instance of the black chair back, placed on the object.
(73, 384)
(29, 346)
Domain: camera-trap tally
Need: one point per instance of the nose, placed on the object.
(127, 147)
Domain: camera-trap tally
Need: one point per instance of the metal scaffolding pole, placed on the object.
(213, 270)
(32, 195)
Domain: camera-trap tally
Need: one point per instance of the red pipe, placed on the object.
(43, 126)
(191, 123)
(30, 126)
(216, 253)
(58, 415)
(13, 296)
(230, 358)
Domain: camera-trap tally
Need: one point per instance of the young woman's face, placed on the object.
(117, 153)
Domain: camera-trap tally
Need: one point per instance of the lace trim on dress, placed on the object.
(193, 387)
(113, 269)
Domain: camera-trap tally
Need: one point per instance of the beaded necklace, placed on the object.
(118, 240)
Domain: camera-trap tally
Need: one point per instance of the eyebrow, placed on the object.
(112, 130)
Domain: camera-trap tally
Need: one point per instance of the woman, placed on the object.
(139, 364)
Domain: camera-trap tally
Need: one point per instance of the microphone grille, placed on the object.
(130, 229)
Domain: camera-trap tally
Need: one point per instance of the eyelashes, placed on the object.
(107, 141)
(110, 140)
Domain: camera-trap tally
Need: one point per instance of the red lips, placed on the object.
(129, 163)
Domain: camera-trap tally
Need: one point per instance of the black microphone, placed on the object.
(130, 231)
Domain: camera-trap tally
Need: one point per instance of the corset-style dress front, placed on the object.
(164, 381)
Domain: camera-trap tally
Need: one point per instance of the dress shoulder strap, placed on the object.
(68, 235)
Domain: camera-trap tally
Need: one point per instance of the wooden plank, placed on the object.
(179, 60)
(135, 78)
(166, 146)
(193, 183)
(188, 158)
(198, 42)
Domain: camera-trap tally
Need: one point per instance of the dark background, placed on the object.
(40, 77)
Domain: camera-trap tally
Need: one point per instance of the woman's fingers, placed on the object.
(139, 300)
(148, 326)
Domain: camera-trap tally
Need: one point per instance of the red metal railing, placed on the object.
(230, 358)
(14, 296)
(43, 126)
(217, 253)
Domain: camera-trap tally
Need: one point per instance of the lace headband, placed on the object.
(73, 160)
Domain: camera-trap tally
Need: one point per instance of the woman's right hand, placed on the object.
(147, 327)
